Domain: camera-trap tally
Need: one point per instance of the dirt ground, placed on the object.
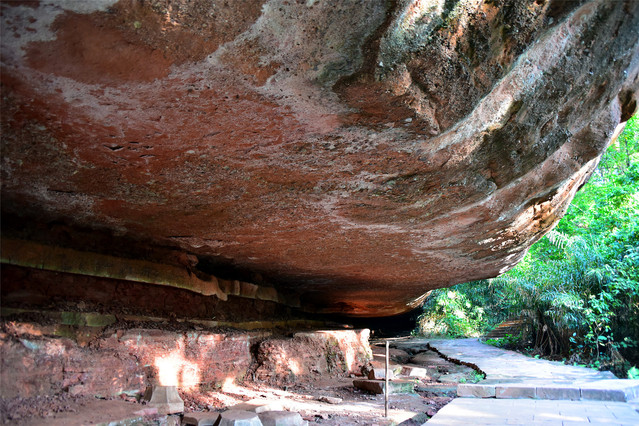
(322, 400)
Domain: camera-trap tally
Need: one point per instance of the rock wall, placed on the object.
(124, 361)
(354, 153)
(311, 355)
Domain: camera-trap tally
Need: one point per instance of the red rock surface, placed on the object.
(311, 356)
(126, 360)
(355, 153)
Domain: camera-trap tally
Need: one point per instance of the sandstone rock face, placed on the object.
(35, 361)
(355, 153)
(310, 355)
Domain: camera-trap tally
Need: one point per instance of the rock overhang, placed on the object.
(357, 154)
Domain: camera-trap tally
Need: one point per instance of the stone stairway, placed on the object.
(510, 327)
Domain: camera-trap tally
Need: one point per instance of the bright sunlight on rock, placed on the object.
(227, 202)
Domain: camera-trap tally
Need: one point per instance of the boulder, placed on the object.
(380, 374)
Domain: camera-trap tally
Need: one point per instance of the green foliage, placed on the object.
(578, 287)
(477, 377)
(508, 341)
(450, 312)
(633, 373)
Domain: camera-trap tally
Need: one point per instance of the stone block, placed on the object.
(476, 391)
(515, 391)
(380, 374)
(558, 393)
(330, 399)
(259, 405)
(165, 398)
(282, 418)
(377, 386)
(422, 373)
(611, 390)
(239, 418)
(200, 419)
(590, 394)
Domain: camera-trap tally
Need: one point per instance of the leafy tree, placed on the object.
(578, 287)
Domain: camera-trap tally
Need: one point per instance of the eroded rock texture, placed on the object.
(356, 153)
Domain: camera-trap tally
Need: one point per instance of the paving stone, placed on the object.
(200, 419)
(526, 412)
(259, 405)
(164, 398)
(589, 394)
(239, 418)
(634, 403)
(515, 391)
(377, 386)
(563, 393)
(611, 390)
(380, 374)
(282, 418)
(476, 390)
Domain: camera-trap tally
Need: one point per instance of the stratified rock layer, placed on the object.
(355, 153)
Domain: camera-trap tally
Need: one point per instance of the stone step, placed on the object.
(512, 327)
(377, 386)
(619, 390)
